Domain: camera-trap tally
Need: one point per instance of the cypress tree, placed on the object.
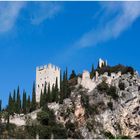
(14, 100)
(53, 93)
(73, 75)
(18, 101)
(66, 74)
(92, 72)
(28, 104)
(33, 97)
(92, 69)
(98, 66)
(41, 99)
(61, 89)
(14, 95)
(45, 93)
(67, 89)
(24, 102)
(44, 96)
(0, 110)
(10, 105)
(48, 94)
(0, 105)
(56, 90)
(64, 85)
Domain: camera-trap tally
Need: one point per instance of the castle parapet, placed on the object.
(49, 66)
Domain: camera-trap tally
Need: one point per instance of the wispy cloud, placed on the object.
(36, 13)
(120, 16)
(43, 11)
(9, 12)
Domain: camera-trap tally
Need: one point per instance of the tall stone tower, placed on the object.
(46, 74)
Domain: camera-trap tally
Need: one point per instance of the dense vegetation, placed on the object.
(111, 91)
(45, 128)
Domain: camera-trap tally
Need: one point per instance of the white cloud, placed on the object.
(44, 11)
(123, 15)
(9, 12)
(36, 13)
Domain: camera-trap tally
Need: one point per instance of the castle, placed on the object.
(90, 84)
(46, 74)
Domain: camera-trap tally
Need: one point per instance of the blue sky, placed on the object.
(73, 34)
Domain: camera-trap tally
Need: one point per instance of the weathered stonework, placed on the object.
(46, 75)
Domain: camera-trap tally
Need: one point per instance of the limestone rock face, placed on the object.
(123, 119)
(21, 119)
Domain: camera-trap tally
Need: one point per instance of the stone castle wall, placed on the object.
(46, 74)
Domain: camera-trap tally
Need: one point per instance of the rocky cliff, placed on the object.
(108, 111)
(106, 106)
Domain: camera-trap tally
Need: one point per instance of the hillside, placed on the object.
(104, 106)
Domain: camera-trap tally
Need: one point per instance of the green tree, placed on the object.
(24, 102)
(41, 99)
(92, 73)
(18, 101)
(48, 98)
(33, 97)
(6, 116)
(66, 90)
(53, 93)
(45, 93)
(56, 91)
(10, 105)
(0, 105)
(61, 89)
(28, 104)
(48, 125)
(72, 75)
(14, 100)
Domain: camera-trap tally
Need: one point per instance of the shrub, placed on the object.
(59, 132)
(122, 86)
(112, 91)
(138, 88)
(90, 110)
(43, 117)
(109, 135)
(123, 137)
(110, 105)
(123, 69)
(103, 87)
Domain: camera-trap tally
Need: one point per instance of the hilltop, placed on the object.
(103, 103)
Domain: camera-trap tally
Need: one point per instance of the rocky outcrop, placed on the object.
(21, 119)
(89, 113)
(102, 113)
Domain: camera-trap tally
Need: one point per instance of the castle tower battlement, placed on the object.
(46, 74)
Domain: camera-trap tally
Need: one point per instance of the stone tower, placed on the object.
(46, 74)
(102, 62)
